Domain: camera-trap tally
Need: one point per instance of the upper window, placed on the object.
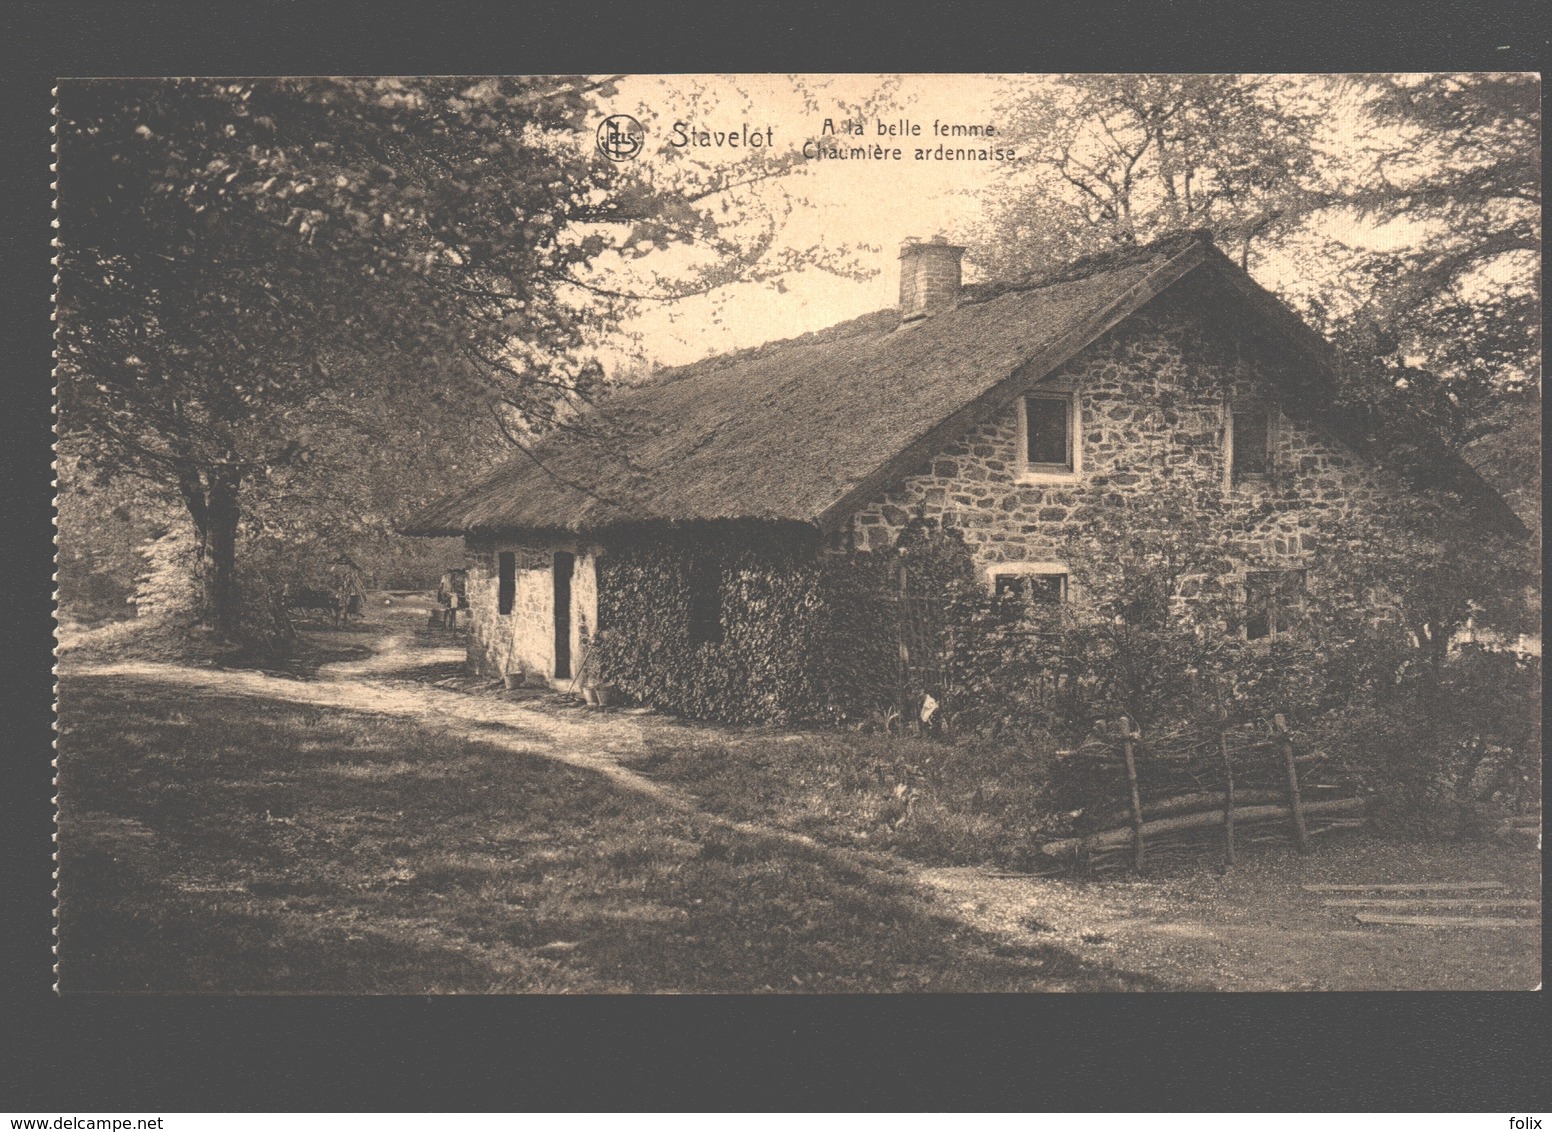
(506, 581)
(1250, 442)
(1048, 434)
(1274, 600)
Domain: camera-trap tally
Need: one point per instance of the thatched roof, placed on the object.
(806, 429)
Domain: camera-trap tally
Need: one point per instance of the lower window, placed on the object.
(1274, 602)
(1038, 589)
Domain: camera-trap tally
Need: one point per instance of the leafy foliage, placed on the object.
(261, 280)
(1415, 632)
(770, 614)
(1124, 159)
(1401, 212)
(805, 636)
(1457, 159)
(1151, 621)
(165, 590)
(102, 528)
(1377, 670)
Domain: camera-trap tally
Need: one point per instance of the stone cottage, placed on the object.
(695, 515)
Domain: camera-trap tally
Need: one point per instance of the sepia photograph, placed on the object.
(798, 534)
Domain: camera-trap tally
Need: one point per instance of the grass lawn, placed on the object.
(229, 844)
(1255, 927)
(972, 803)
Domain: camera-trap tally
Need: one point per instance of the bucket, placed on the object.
(513, 680)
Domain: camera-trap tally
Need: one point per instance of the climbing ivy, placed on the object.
(801, 638)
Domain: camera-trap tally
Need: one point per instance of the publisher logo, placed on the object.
(620, 137)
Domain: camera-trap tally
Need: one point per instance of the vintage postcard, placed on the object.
(798, 533)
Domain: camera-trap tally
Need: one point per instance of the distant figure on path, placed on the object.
(451, 596)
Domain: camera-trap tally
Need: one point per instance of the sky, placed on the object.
(868, 205)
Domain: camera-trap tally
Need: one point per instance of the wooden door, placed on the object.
(565, 563)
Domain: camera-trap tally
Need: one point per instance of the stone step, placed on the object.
(1444, 921)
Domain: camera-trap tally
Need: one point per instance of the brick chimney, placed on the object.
(929, 276)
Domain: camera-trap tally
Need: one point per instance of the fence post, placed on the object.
(1285, 744)
(1129, 736)
(903, 613)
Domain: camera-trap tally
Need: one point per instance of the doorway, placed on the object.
(565, 564)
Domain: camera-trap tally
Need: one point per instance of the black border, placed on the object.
(1363, 1052)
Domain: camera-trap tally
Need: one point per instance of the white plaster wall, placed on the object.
(525, 638)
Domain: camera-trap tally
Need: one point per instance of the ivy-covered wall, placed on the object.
(806, 634)
(798, 641)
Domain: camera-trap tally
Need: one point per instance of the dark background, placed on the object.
(1363, 1052)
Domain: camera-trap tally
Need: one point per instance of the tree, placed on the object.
(242, 264)
(1122, 159)
(1409, 688)
(1401, 214)
(1449, 315)
(1158, 620)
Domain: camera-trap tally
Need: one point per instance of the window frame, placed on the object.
(1246, 407)
(1052, 473)
(506, 582)
(1013, 569)
(1279, 624)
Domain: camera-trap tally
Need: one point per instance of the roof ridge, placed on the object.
(736, 403)
(1084, 267)
(1095, 263)
(836, 332)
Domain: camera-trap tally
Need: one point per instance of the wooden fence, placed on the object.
(1186, 791)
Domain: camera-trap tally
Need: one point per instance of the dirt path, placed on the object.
(1253, 929)
(596, 741)
(1258, 928)
(596, 744)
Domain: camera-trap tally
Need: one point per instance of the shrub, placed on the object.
(800, 635)
(168, 589)
(1443, 751)
(1373, 672)
(1152, 624)
(168, 605)
(768, 614)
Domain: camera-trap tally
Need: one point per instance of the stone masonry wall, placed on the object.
(525, 638)
(1152, 394)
